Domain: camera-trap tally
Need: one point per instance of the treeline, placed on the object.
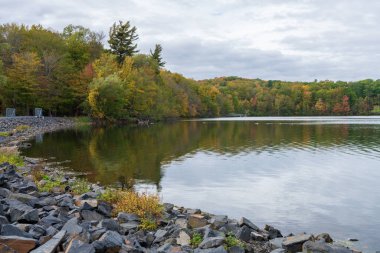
(71, 73)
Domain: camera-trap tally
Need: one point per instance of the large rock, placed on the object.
(160, 235)
(24, 198)
(324, 237)
(52, 244)
(323, 247)
(51, 220)
(72, 228)
(272, 232)
(30, 217)
(19, 244)
(46, 201)
(76, 246)
(93, 203)
(125, 227)
(294, 243)
(236, 249)
(91, 215)
(244, 233)
(3, 220)
(4, 192)
(211, 242)
(112, 241)
(183, 238)
(104, 208)
(109, 224)
(218, 221)
(244, 221)
(126, 217)
(37, 231)
(197, 221)
(220, 249)
(5, 249)
(181, 222)
(17, 209)
(12, 230)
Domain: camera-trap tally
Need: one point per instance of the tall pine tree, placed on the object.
(122, 40)
(156, 54)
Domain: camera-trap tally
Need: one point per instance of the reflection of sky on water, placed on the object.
(297, 173)
(329, 191)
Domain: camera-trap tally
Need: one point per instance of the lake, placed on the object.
(312, 174)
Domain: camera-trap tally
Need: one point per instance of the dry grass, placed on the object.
(21, 128)
(11, 155)
(144, 205)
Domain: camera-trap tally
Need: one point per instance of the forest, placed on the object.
(79, 72)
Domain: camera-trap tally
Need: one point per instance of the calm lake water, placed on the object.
(312, 174)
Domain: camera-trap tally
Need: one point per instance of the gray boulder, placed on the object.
(76, 246)
(91, 215)
(220, 249)
(211, 242)
(111, 241)
(72, 228)
(323, 247)
(245, 222)
(12, 230)
(294, 243)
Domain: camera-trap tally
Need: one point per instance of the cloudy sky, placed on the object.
(267, 39)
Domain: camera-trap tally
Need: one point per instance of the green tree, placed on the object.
(106, 98)
(156, 54)
(21, 89)
(122, 40)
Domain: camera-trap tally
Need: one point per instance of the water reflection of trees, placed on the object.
(125, 153)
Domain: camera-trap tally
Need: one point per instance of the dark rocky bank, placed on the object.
(33, 221)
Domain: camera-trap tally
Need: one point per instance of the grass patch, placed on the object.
(231, 241)
(21, 128)
(49, 185)
(148, 224)
(11, 156)
(144, 205)
(38, 174)
(4, 134)
(80, 186)
(196, 239)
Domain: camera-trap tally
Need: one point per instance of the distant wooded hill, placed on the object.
(71, 73)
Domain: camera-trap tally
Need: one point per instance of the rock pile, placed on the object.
(40, 222)
(33, 126)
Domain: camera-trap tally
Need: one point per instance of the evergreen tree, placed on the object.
(122, 40)
(156, 54)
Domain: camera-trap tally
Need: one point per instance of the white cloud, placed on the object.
(272, 39)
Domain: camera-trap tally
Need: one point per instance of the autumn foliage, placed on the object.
(70, 73)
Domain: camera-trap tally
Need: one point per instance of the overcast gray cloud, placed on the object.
(268, 39)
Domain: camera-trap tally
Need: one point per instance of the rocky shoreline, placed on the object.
(62, 221)
(19, 129)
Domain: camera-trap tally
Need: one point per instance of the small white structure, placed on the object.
(10, 112)
(38, 112)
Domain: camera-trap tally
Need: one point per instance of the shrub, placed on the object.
(11, 156)
(4, 134)
(106, 98)
(38, 174)
(21, 128)
(80, 186)
(142, 204)
(196, 239)
(148, 224)
(50, 185)
(231, 241)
